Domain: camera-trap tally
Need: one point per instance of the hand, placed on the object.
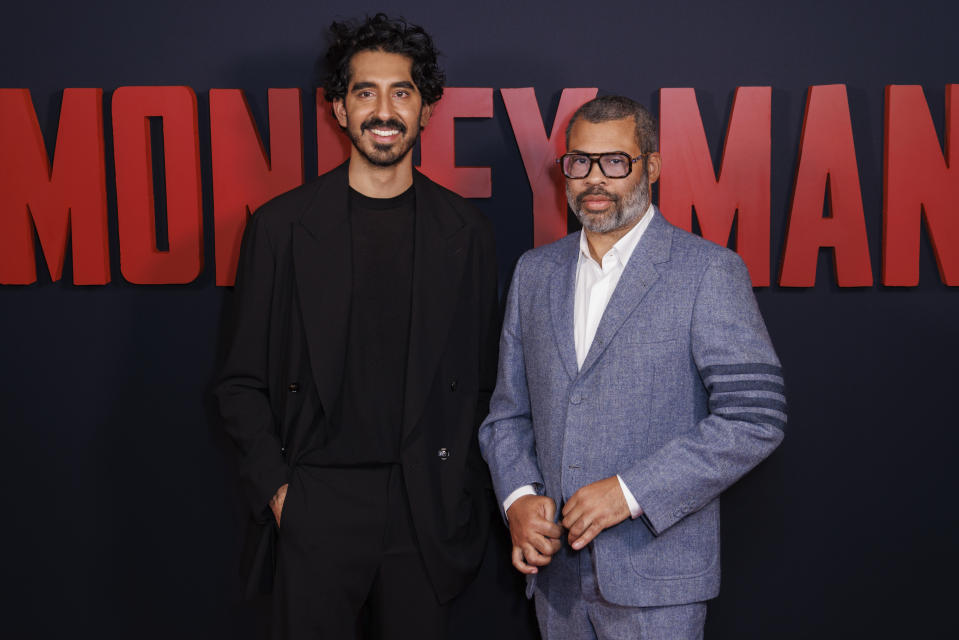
(535, 535)
(595, 507)
(276, 502)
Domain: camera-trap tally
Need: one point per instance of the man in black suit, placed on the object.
(361, 363)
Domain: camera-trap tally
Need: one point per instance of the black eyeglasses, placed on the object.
(615, 164)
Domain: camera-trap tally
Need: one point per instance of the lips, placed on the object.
(384, 130)
(596, 199)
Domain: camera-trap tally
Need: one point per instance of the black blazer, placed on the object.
(285, 357)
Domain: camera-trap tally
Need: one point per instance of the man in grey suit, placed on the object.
(636, 382)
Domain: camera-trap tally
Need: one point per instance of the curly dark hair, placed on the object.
(382, 33)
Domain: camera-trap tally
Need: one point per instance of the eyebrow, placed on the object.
(402, 84)
(597, 153)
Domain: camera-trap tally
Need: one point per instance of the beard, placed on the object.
(383, 155)
(623, 212)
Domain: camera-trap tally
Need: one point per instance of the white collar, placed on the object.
(624, 247)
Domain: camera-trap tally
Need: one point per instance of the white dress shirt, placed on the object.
(595, 284)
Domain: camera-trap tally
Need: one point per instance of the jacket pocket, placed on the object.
(687, 550)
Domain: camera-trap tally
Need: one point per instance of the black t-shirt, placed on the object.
(366, 426)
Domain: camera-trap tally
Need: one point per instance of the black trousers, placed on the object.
(348, 565)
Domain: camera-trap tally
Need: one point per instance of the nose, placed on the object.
(384, 107)
(595, 175)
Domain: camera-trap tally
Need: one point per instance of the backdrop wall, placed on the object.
(123, 517)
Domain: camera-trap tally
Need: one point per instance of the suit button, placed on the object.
(294, 387)
(576, 398)
(282, 449)
(453, 385)
(443, 453)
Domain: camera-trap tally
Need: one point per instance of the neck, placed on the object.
(600, 243)
(380, 182)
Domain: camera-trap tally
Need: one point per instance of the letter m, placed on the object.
(689, 180)
(67, 201)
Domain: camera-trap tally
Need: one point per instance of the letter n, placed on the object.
(920, 182)
(742, 188)
(244, 176)
(67, 202)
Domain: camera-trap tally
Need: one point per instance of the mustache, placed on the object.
(596, 191)
(377, 123)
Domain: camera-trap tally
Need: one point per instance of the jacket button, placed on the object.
(443, 453)
(453, 385)
(576, 399)
(294, 387)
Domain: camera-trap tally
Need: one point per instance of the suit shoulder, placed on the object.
(554, 252)
(288, 206)
(696, 250)
(470, 213)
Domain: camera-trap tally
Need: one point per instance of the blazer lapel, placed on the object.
(562, 297)
(638, 278)
(439, 257)
(323, 274)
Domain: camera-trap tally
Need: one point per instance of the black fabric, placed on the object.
(286, 359)
(362, 431)
(355, 576)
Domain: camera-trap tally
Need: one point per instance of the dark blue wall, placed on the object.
(122, 515)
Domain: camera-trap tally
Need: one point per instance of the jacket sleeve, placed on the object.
(746, 402)
(506, 436)
(242, 390)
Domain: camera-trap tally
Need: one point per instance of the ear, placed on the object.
(339, 111)
(425, 113)
(654, 165)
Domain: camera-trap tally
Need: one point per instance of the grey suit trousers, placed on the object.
(569, 606)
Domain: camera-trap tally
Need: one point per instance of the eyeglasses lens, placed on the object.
(614, 165)
(576, 166)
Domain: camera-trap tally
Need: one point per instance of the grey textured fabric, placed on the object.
(570, 606)
(681, 393)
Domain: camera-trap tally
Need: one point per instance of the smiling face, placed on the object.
(609, 205)
(383, 111)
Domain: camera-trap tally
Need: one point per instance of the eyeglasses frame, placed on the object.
(594, 160)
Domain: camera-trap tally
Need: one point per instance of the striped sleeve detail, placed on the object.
(751, 392)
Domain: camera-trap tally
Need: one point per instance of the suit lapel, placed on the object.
(638, 278)
(562, 297)
(323, 274)
(439, 257)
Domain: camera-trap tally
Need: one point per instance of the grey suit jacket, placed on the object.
(680, 394)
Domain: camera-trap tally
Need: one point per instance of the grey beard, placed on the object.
(624, 212)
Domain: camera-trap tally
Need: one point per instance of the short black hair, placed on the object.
(391, 35)
(606, 108)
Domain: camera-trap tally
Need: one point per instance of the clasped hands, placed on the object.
(536, 537)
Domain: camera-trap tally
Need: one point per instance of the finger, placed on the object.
(577, 528)
(571, 516)
(549, 509)
(543, 545)
(548, 528)
(520, 565)
(554, 545)
(534, 557)
(591, 532)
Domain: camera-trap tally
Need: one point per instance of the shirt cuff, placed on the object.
(634, 509)
(525, 490)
